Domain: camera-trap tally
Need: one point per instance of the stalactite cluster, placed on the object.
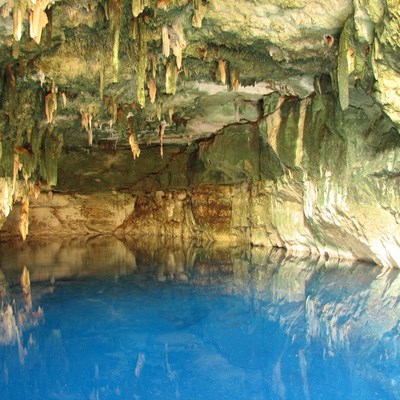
(38, 19)
(173, 38)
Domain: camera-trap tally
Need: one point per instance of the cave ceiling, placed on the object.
(198, 65)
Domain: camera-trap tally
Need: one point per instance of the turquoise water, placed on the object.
(226, 327)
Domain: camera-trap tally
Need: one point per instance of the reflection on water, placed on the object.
(167, 320)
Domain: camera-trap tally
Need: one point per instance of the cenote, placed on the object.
(197, 323)
(199, 199)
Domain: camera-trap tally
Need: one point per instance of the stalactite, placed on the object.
(134, 146)
(222, 71)
(101, 89)
(15, 172)
(42, 77)
(90, 137)
(171, 115)
(132, 139)
(177, 44)
(35, 189)
(161, 131)
(84, 120)
(173, 38)
(24, 218)
(141, 66)
(51, 149)
(18, 18)
(38, 19)
(138, 6)
(154, 66)
(165, 41)
(115, 13)
(114, 110)
(171, 77)
(64, 99)
(199, 10)
(50, 106)
(151, 84)
(86, 124)
(134, 28)
(345, 63)
(159, 111)
(234, 80)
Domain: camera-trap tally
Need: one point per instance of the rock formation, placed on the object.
(284, 130)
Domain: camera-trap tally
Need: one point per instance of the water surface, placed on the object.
(180, 321)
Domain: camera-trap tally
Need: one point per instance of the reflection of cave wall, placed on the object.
(336, 308)
(306, 177)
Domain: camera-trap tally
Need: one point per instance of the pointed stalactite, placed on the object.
(154, 66)
(151, 84)
(38, 19)
(234, 80)
(165, 41)
(134, 146)
(50, 106)
(115, 13)
(345, 63)
(18, 18)
(161, 131)
(42, 77)
(132, 139)
(50, 152)
(177, 44)
(101, 81)
(199, 11)
(24, 218)
(15, 172)
(159, 111)
(114, 110)
(171, 77)
(134, 28)
(222, 71)
(141, 65)
(35, 189)
(171, 115)
(86, 124)
(138, 6)
(64, 99)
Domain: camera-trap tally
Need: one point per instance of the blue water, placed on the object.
(237, 335)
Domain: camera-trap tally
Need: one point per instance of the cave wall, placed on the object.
(307, 176)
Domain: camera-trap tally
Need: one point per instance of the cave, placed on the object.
(227, 158)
